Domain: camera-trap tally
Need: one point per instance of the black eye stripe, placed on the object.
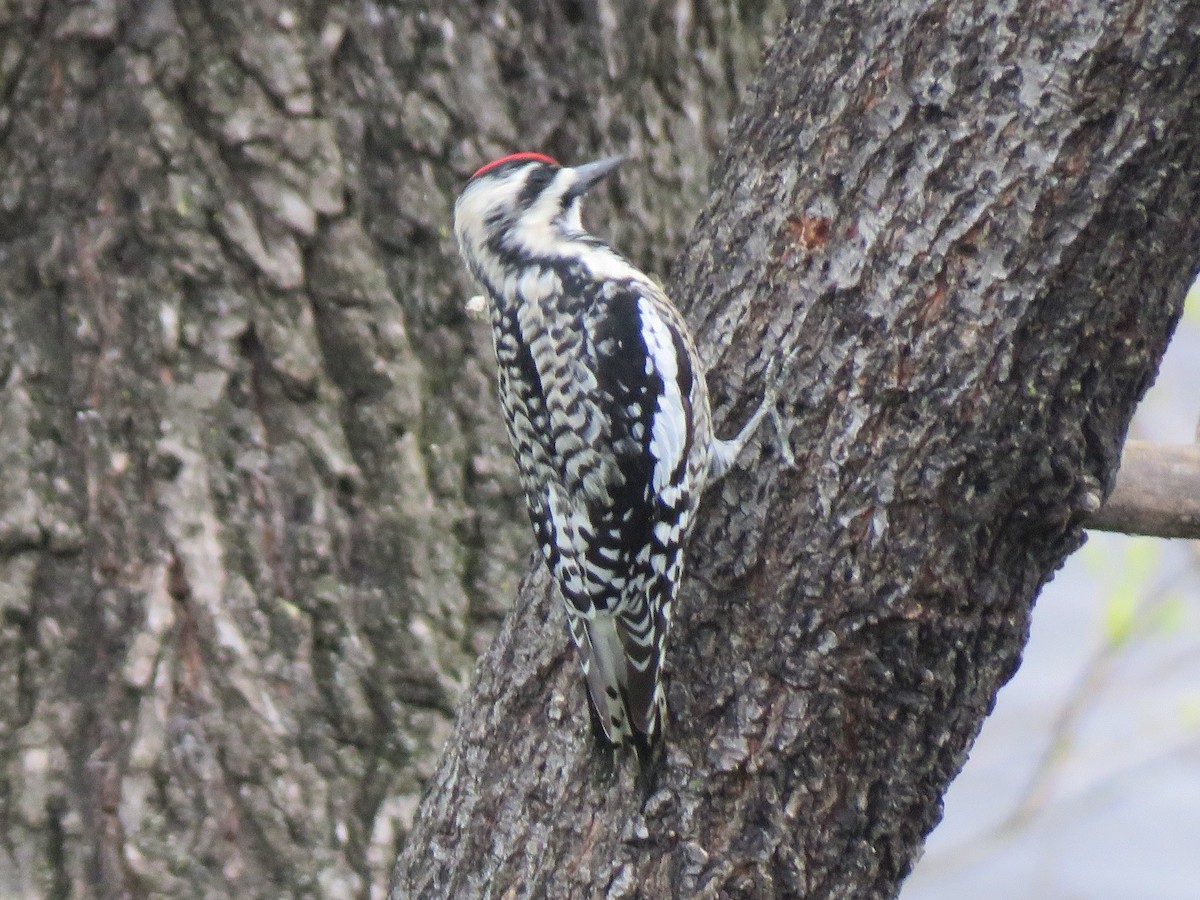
(535, 183)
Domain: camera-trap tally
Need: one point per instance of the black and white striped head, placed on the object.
(525, 205)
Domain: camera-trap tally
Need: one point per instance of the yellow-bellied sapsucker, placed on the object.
(608, 414)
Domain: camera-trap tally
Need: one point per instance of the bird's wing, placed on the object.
(623, 448)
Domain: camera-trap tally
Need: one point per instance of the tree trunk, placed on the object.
(977, 223)
(257, 513)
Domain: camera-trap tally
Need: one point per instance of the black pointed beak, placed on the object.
(590, 174)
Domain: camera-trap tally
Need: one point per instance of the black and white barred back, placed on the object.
(608, 415)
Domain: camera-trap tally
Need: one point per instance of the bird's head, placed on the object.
(524, 203)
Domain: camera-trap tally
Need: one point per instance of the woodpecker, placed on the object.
(608, 414)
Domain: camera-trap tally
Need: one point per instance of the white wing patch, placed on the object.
(668, 429)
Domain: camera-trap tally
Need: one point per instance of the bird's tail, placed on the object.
(625, 691)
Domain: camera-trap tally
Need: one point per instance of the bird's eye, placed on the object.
(535, 183)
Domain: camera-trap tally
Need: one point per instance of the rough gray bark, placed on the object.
(257, 514)
(976, 221)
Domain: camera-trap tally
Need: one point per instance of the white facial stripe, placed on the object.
(481, 198)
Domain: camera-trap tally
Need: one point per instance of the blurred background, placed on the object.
(1085, 781)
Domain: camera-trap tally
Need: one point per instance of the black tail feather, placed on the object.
(650, 749)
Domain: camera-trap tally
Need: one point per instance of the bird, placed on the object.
(607, 410)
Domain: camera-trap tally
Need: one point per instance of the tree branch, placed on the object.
(1157, 492)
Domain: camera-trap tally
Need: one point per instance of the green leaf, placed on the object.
(1191, 303)
(1141, 557)
(1170, 616)
(1189, 711)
